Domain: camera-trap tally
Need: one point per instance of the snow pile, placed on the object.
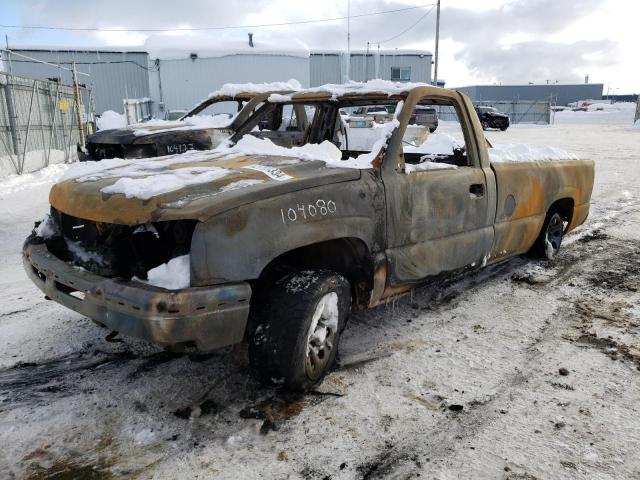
(173, 275)
(436, 144)
(599, 113)
(426, 165)
(521, 152)
(47, 228)
(250, 145)
(207, 45)
(111, 120)
(233, 89)
(14, 182)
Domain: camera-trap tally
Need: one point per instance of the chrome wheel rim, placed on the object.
(555, 229)
(321, 336)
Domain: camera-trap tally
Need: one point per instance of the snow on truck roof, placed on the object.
(237, 89)
(372, 87)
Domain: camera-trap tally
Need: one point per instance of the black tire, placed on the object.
(281, 346)
(552, 231)
(504, 128)
(484, 124)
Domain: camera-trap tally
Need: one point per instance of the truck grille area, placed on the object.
(125, 251)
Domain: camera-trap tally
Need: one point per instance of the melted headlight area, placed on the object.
(113, 250)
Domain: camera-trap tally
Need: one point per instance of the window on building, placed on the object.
(401, 74)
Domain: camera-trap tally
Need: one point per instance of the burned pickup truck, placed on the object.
(274, 246)
(202, 128)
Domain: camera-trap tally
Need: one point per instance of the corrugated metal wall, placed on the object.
(327, 67)
(562, 94)
(113, 76)
(38, 124)
(186, 82)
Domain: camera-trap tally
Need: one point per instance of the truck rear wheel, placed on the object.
(296, 340)
(548, 242)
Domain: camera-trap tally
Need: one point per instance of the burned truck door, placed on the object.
(438, 219)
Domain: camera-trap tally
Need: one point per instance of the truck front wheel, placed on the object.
(296, 341)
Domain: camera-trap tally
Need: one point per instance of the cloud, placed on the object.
(537, 61)
(509, 43)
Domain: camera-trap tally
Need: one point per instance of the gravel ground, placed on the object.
(523, 370)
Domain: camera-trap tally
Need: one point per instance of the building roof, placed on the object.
(23, 47)
(373, 51)
(171, 47)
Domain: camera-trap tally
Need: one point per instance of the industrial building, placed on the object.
(559, 94)
(112, 74)
(396, 65)
(175, 73)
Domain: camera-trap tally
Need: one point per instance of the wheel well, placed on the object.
(564, 207)
(350, 257)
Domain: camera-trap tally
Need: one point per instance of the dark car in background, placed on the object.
(490, 117)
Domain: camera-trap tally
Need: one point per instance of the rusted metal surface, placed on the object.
(208, 318)
(411, 226)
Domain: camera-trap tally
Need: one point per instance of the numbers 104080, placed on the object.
(304, 211)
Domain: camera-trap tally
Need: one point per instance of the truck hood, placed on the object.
(147, 133)
(196, 185)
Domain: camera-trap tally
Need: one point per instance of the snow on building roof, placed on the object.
(77, 48)
(374, 51)
(172, 47)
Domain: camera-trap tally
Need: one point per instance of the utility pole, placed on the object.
(348, 63)
(76, 96)
(435, 72)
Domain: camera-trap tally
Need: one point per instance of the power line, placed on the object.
(407, 29)
(231, 27)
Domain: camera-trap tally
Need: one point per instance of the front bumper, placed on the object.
(204, 317)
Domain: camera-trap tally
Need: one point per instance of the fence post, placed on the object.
(13, 123)
(637, 117)
(41, 125)
(26, 135)
(76, 95)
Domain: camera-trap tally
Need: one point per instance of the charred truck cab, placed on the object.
(279, 246)
(157, 140)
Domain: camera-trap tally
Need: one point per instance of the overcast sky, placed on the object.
(488, 41)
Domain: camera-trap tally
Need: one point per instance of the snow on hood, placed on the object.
(207, 45)
(233, 89)
(110, 120)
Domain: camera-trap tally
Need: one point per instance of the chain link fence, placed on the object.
(521, 111)
(38, 123)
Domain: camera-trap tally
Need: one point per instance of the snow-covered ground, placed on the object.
(459, 380)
